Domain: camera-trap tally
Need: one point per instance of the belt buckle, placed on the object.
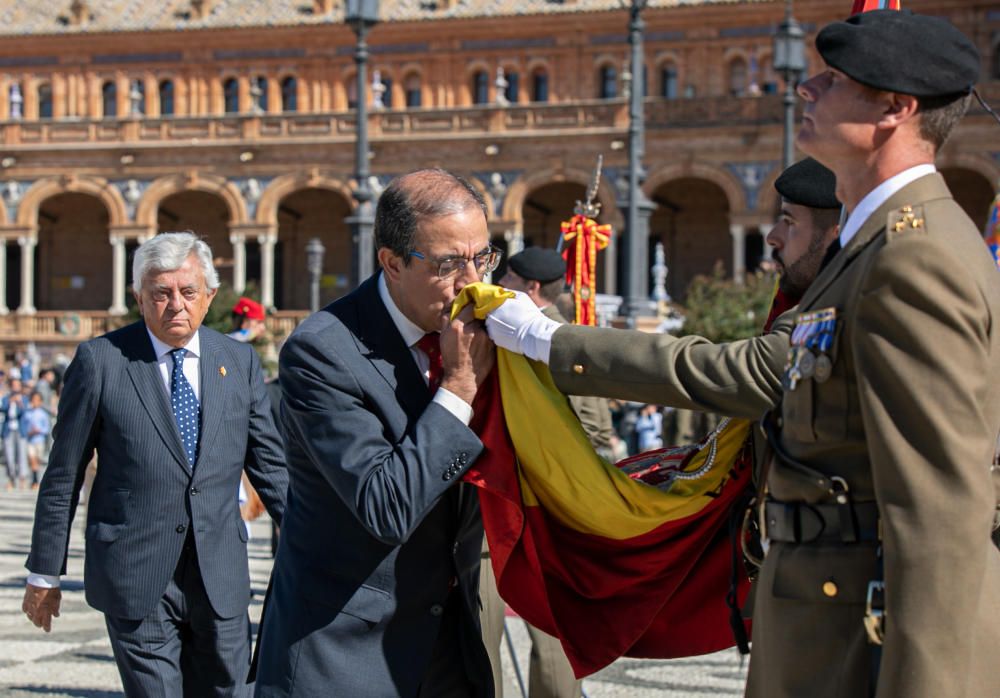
(875, 613)
(839, 489)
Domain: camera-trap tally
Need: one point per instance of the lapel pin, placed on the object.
(222, 371)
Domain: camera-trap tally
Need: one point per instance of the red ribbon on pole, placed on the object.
(583, 237)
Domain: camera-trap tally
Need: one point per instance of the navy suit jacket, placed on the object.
(377, 526)
(146, 499)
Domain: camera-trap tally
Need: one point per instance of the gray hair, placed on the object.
(168, 252)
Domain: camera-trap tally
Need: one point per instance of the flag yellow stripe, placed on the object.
(559, 469)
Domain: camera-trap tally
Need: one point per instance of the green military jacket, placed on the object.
(737, 379)
(908, 416)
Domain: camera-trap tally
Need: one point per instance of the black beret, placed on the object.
(898, 51)
(538, 264)
(808, 183)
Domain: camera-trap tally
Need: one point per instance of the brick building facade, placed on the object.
(121, 118)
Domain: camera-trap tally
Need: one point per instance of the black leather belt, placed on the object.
(798, 522)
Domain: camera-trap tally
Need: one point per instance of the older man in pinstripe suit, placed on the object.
(176, 412)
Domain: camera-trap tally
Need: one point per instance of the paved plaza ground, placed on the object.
(74, 660)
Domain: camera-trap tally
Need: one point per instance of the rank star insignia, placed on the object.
(222, 371)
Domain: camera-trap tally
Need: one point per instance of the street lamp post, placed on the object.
(314, 263)
(790, 62)
(638, 206)
(362, 15)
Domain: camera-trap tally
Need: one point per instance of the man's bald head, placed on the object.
(415, 197)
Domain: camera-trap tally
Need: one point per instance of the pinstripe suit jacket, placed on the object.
(145, 498)
(377, 525)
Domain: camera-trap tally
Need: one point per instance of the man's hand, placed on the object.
(519, 326)
(467, 355)
(41, 605)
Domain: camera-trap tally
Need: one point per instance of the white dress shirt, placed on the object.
(191, 362)
(165, 364)
(412, 334)
(878, 196)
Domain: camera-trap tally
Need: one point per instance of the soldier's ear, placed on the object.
(899, 109)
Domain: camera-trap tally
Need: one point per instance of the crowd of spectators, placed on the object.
(642, 427)
(29, 396)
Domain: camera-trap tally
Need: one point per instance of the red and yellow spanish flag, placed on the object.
(608, 564)
(868, 5)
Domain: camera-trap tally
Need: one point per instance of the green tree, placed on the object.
(721, 310)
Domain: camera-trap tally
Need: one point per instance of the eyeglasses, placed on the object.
(485, 262)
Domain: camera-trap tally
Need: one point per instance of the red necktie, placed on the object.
(430, 344)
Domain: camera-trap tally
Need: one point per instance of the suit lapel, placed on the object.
(212, 391)
(145, 374)
(924, 189)
(380, 342)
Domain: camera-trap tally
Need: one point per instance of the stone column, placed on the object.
(239, 243)
(117, 276)
(3, 277)
(765, 230)
(27, 306)
(739, 252)
(610, 263)
(267, 243)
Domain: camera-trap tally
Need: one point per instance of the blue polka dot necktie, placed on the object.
(185, 406)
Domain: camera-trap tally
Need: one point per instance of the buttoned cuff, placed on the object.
(43, 581)
(454, 404)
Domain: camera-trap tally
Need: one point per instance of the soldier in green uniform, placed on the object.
(539, 272)
(741, 378)
(881, 578)
(689, 371)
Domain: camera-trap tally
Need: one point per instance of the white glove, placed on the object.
(519, 326)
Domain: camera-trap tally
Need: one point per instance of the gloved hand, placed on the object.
(519, 326)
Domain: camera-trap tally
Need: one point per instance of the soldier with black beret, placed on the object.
(540, 264)
(807, 224)
(741, 378)
(539, 272)
(881, 578)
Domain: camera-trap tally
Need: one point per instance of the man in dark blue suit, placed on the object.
(376, 580)
(176, 412)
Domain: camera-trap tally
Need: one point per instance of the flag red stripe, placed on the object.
(661, 594)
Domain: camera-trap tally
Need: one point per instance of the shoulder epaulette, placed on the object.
(904, 220)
